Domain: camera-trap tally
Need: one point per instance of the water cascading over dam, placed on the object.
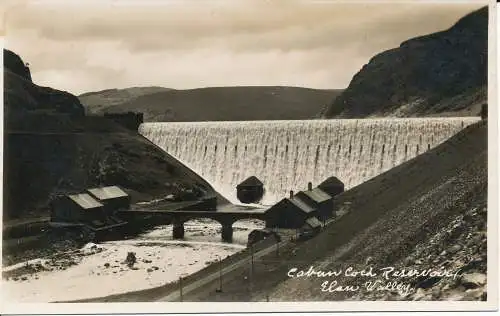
(286, 155)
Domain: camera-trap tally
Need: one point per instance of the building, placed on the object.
(84, 211)
(289, 213)
(76, 208)
(113, 198)
(318, 199)
(311, 227)
(250, 190)
(333, 186)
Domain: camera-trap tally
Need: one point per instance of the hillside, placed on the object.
(98, 101)
(215, 104)
(444, 73)
(52, 147)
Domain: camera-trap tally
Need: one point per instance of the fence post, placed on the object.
(220, 275)
(180, 287)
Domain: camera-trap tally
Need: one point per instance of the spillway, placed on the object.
(286, 155)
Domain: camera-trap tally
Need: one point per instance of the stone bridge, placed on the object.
(225, 218)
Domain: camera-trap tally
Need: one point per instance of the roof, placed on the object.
(332, 181)
(317, 195)
(85, 201)
(313, 222)
(106, 193)
(250, 182)
(301, 204)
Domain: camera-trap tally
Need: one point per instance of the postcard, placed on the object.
(229, 156)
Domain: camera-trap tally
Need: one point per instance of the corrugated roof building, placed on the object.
(113, 198)
(289, 213)
(319, 200)
(75, 208)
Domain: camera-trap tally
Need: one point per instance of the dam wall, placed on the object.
(286, 155)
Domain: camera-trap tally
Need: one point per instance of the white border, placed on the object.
(186, 307)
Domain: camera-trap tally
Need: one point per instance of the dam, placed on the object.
(286, 155)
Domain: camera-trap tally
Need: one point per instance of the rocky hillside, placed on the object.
(444, 73)
(213, 104)
(52, 147)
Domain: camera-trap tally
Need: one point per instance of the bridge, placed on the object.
(225, 215)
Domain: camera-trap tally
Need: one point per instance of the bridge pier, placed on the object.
(178, 230)
(227, 232)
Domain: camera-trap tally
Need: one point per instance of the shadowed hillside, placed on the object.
(444, 73)
(214, 104)
(52, 147)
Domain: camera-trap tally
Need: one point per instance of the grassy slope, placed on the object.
(221, 104)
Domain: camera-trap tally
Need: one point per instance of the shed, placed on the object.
(289, 213)
(320, 200)
(311, 227)
(76, 208)
(250, 190)
(313, 224)
(333, 186)
(113, 198)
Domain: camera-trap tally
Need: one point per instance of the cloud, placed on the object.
(187, 44)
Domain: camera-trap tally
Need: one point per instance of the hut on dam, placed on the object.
(333, 186)
(76, 208)
(112, 197)
(318, 199)
(250, 190)
(290, 213)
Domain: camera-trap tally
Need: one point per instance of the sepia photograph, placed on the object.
(249, 151)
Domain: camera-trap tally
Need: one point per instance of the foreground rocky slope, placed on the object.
(52, 147)
(444, 73)
(212, 104)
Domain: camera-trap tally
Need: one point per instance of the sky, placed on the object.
(83, 46)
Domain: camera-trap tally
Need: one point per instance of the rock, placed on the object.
(134, 268)
(24, 278)
(155, 268)
(15, 278)
(443, 253)
(131, 259)
(474, 294)
(419, 295)
(149, 270)
(106, 265)
(428, 283)
(473, 280)
(146, 261)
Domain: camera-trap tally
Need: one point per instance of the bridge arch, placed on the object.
(225, 219)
